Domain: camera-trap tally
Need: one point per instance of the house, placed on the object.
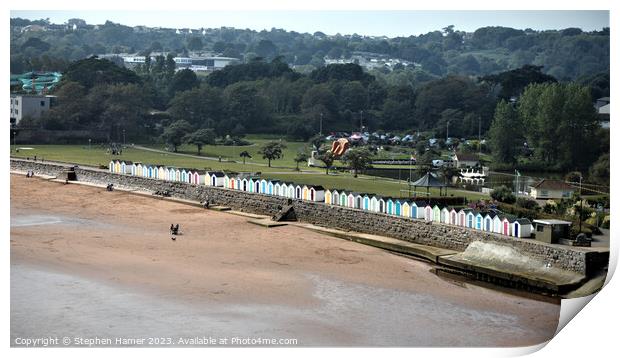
(215, 178)
(551, 189)
(465, 160)
(522, 228)
(28, 105)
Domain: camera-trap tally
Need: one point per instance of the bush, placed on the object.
(527, 203)
(504, 195)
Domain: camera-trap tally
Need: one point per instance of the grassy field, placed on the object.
(282, 169)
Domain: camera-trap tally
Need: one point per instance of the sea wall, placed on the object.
(412, 230)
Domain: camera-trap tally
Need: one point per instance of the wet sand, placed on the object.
(91, 263)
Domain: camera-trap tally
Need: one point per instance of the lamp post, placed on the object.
(321, 125)
(361, 121)
(14, 135)
(581, 203)
(447, 131)
(123, 137)
(88, 143)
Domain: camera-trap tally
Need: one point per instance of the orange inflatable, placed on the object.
(340, 146)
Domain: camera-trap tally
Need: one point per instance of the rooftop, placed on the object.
(552, 222)
(551, 184)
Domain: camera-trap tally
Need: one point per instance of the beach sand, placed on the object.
(91, 263)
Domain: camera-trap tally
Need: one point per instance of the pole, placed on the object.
(361, 121)
(447, 132)
(88, 143)
(123, 137)
(479, 140)
(581, 204)
(321, 125)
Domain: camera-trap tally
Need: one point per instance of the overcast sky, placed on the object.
(388, 23)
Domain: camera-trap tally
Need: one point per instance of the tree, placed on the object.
(561, 124)
(599, 172)
(358, 159)
(201, 107)
(505, 133)
(245, 155)
(175, 133)
(194, 44)
(183, 80)
(328, 159)
(503, 194)
(301, 157)
(200, 138)
(272, 151)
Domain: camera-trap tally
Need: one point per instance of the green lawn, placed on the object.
(282, 170)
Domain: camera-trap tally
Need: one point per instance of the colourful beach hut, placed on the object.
(471, 219)
(328, 197)
(366, 202)
(522, 228)
(344, 198)
(444, 215)
(305, 195)
(507, 222)
(216, 178)
(488, 222)
(374, 204)
(351, 200)
(397, 207)
(417, 209)
(497, 224)
(290, 191)
(406, 209)
(382, 205)
(479, 219)
(317, 193)
(161, 173)
(428, 213)
(111, 166)
(298, 191)
(453, 217)
(436, 213)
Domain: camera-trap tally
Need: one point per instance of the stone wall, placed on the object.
(412, 230)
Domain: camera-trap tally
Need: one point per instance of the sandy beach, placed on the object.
(91, 263)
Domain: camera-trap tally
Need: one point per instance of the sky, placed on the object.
(372, 23)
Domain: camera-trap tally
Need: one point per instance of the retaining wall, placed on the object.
(412, 230)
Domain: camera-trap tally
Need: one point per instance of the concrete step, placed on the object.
(267, 223)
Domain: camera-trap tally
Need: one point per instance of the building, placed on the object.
(551, 189)
(24, 105)
(465, 160)
(551, 231)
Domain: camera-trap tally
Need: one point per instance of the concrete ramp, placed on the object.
(506, 265)
(267, 223)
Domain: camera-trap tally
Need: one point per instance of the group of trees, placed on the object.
(558, 124)
(565, 54)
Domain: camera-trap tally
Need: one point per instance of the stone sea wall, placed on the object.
(412, 230)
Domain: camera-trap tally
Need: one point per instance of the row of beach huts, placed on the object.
(492, 221)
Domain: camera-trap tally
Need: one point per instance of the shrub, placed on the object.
(527, 203)
(504, 195)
